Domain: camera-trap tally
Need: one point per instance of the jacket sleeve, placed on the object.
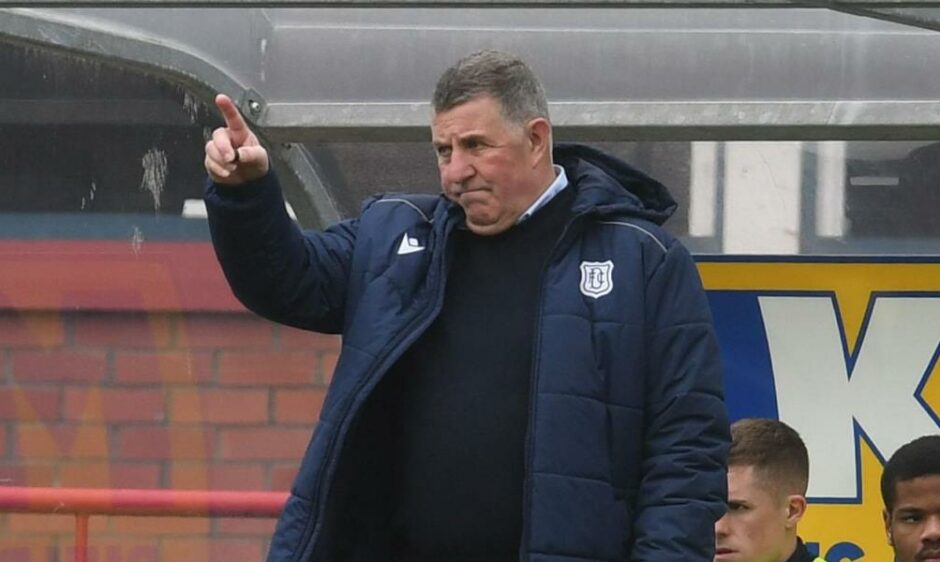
(294, 277)
(683, 490)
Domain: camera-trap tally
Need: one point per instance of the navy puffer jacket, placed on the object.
(628, 432)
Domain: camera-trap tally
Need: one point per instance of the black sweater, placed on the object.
(464, 398)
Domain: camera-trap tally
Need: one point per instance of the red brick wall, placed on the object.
(152, 399)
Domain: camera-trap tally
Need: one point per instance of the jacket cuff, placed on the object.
(249, 198)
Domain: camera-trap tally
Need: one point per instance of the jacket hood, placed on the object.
(611, 185)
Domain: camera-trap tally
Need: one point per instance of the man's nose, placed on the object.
(458, 168)
(931, 529)
(721, 526)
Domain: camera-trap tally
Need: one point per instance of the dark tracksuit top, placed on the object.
(801, 554)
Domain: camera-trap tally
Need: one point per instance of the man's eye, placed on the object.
(472, 144)
(735, 506)
(910, 518)
(443, 151)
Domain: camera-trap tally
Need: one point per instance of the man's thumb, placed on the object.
(252, 158)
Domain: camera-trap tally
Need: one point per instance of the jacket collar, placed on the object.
(608, 185)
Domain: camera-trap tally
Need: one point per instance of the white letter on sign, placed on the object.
(820, 398)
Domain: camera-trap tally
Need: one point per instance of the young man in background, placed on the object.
(910, 487)
(768, 472)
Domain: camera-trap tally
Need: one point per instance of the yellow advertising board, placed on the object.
(846, 352)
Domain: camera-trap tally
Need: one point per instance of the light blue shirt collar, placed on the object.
(561, 182)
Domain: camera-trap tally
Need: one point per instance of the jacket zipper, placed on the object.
(409, 335)
(533, 386)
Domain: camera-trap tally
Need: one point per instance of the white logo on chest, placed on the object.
(597, 278)
(409, 245)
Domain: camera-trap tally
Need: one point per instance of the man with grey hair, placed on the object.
(528, 370)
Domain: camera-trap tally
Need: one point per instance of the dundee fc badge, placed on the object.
(596, 278)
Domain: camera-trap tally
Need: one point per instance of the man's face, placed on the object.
(487, 164)
(754, 528)
(914, 523)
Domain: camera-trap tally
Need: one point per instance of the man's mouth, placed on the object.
(929, 555)
(722, 551)
(465, 189)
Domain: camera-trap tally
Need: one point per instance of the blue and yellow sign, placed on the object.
(847, 354)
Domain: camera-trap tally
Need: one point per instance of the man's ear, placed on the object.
(539, 135)
(796, 508)
(887, 518)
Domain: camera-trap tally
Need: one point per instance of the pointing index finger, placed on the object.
(238, 129)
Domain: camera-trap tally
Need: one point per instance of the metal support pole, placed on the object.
(175, 503)
(81, 537)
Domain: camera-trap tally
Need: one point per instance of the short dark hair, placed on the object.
(774, 449)
(920, 457)
(503, 76)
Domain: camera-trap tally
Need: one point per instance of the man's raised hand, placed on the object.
(234, 155)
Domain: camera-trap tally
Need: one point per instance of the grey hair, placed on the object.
(498, 74)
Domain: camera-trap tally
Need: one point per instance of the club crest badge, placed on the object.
(596, 278)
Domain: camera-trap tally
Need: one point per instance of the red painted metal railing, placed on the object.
(82, 503)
